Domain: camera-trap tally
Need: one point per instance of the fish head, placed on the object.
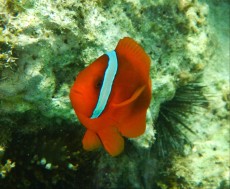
(86, 88)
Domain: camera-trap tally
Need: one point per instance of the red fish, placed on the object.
(111, 96)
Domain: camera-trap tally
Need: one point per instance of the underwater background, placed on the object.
(44, 44)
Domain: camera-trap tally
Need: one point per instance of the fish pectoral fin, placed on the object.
(91, 141)
(112, 140)
(134, 96)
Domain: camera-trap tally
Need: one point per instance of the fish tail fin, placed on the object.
(133, 52)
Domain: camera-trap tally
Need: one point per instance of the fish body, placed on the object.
(111, 96)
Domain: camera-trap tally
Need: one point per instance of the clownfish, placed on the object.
(111, 96)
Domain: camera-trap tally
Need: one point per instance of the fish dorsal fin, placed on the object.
(134, 96)
(134, 53)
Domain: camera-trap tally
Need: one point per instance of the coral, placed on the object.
(44, 44)
(210, 143)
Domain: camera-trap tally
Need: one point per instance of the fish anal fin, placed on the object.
(91, 141)
(112, 140)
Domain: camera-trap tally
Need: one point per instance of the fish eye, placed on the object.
(99, 83)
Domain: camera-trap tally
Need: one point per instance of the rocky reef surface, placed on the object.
(44, 44)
